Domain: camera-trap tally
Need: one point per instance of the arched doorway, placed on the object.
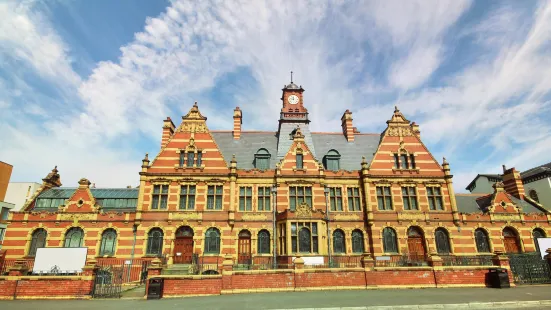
(183, 245)
(244, 247)
(510, 240)
(416, 243)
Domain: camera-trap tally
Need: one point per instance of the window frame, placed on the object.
(215, 199)
(434, 198)
(262, 159)
(159, 199)
(103, 251)
(189, 196)
(213, 241)
(339, 241)
(358, 240)
(263, 242)
(68, 242)
(409, 197)
(34, 246)
(442, 241)
(264, 197)
(335, 199)
(390, 240)
(354, 199)
(296, 199)
(484, 235)
(151, 237)
(245, 198)
(313, 230)
(299, 160)
(382, 198)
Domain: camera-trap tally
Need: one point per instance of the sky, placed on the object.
(85, 85)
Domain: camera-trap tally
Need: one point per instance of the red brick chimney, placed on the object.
(168, 131)
(237, 121)
(347, 128)
(512, 182)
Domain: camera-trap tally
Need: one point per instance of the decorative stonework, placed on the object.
(304, 210)
(399, 132)
(254, 217)
(410, 216)
(187, 216)
(347, 217)
(76, 216)
(506, 217)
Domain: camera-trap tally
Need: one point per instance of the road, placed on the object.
(298, 300)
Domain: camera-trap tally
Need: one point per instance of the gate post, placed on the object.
(501, 260)
(227, 272)
(89, 274)
(548, 256)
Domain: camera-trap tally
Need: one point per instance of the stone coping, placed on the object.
(49, 278)
(187, 276)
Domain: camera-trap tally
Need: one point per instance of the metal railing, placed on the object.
(134, 270)
(405, 260)
(473, 260)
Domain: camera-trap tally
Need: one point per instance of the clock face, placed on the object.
(293, 99)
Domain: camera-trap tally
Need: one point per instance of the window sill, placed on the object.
(184, 168)
(416, 170)
(211, 254)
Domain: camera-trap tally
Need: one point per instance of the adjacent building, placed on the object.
(280, 194)
(19, 192)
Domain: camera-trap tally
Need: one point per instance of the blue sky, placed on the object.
(85, 85)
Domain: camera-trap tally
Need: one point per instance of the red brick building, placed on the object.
(283, 193)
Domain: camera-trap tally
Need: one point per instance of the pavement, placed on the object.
(532, 297)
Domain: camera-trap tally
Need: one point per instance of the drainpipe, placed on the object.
(326, 191)
(274, 208)
(134, 230)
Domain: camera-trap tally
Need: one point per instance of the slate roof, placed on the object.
(466, 203)
(471, 203)
(546, 168)
(98, 193)
(320, 143)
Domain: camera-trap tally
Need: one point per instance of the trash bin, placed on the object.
(499, 278)
(155, 288)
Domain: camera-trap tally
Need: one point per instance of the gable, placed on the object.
(288, 164)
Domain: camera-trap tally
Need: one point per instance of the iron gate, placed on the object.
(108, 283)
(529, 268)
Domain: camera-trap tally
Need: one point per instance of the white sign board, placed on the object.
(312, 260)
(544, 244)
(60, 260)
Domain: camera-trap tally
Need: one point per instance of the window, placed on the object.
(2, 232)
(435, 198)
(264, 199)
(199, 158)
(396, 161)
(384, 198)
(263, 242)
(332, 160)
(537, 234)
(411, 161)
(245, 199)
(73, 238)
(482, 241)
(534, 195)
(182, 158)
(403, 161)
(155, 242)
(390, 243)
(49, 202)
(298, 195)
(212, 241)
(4, 212)
(281, 234)
(262, 159)
(354, 202)
(357, 241)
(335, 198)
(304, 237)
(338, 241)
(108, 242)
(187, 197)
(300, 163)
(190, 159)
(160, 197)
(409, 197)
(442, 241)
(214, 197)
(38, 241)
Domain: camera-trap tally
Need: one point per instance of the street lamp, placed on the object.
(326, 191)
(274, 208)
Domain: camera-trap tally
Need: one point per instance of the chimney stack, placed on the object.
(512, 182)
(347, 128)
(168, 131)
(237, 121)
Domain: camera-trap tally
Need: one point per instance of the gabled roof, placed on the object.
(467, 203)
(496, 177)
(250, 142)
(535, 172)
(471, 203)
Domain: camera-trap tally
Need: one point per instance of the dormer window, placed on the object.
(188, 159)
(404, 161)
(262, 159)
(300, 163)
(332, 160)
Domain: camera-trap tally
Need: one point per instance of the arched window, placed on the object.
(332, 160)
(534, 195)
(390, 243)
(338, 241)
(304, 240)
(38, 241)
(73, 238)
(442, 241)
(155, 242)
(263, 242)
(108, 242)
(357, 241)
(537, 233)
(510, 240)
(212, 241)
(262, 159)
(184, 231)
(482, 241)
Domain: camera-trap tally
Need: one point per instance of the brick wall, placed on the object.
(45, 287)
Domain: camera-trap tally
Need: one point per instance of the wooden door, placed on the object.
(416, 247)
(511, 245)
(244, 251)
(183, 250)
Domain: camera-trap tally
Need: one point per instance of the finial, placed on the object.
(233, 158)
(146, 155)
(396, 109)
(363, 160)
(291, 76)
(195, 104)
(444, 161)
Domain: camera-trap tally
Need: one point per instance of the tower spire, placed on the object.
(291, 76)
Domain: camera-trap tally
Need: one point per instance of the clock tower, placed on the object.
(293, 105)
